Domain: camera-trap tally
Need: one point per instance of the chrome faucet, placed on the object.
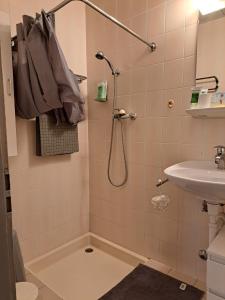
(122, 114)
(220, 157)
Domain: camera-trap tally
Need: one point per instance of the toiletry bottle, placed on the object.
(102, 91)
(195, 97)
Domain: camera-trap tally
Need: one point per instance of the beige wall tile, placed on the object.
(159, 137)
(45, 190)
(154, 129)
(139, 80)
(158, 56)
(189, 71)
(138, 104)
(177, 96)
(152, 3)
(156, 105)
(124, 9)
(157, 20)
(138, 7)
(192, 14)
(139, 23)
(124, 48)
(168, 254)
(152, 248)
(155, 77)
(174, 46)
(174, 74)
(175, 14)
(190, 40)
(124, 83)
(171, 129)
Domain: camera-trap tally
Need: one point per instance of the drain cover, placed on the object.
(89, 250)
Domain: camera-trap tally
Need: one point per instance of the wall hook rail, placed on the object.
(161, 182)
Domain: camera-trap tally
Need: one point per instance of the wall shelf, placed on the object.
(213, 112)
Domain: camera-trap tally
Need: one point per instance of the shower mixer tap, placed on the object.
(121, 114)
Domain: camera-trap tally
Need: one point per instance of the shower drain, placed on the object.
(89, 250)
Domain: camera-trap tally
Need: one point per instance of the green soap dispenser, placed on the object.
(102, 91)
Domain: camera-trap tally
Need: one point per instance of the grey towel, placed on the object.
(43, 80)
(36, 90)
(52, 139)
(73, 102)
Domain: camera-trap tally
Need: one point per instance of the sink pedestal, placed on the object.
(216, 219)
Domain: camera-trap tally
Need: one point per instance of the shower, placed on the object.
(118, 114)
(100, 55)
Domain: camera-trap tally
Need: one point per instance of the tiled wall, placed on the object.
(51, 195)
(4, 6)
(159, 137)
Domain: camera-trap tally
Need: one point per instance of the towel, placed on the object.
(55, 139)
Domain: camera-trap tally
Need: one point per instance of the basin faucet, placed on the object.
(220, 157)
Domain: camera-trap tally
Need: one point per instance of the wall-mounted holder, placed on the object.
(214, 78)
(161, 182)
(161, 202)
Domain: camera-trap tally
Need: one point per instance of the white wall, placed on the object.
(51, 195)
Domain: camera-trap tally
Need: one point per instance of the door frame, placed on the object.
(7, 274)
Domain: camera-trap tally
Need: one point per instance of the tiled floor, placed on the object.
(85, 276)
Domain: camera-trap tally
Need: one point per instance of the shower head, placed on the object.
(100, 55)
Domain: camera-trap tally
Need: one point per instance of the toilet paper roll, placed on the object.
(160, 202)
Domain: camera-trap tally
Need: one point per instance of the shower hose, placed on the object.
(124, 181)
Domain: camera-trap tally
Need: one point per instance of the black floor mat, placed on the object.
(144, 283)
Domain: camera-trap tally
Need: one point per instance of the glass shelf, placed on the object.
(212, 112)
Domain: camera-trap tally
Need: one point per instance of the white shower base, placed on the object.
(72, 274)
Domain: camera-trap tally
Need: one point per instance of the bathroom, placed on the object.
(84, 222)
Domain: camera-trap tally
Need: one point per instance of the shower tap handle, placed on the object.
(220, 149)
(133, 116)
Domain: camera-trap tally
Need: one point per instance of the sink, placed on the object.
(202, 178)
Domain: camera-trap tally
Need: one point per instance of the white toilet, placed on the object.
(26, 291)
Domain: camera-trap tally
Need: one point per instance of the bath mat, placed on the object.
(144, 283)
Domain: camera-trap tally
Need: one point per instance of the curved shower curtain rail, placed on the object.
(152, 45)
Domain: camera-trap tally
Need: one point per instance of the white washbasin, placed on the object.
(199, 177)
